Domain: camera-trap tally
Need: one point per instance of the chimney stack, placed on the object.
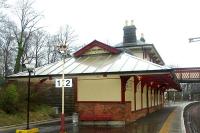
(129, 33)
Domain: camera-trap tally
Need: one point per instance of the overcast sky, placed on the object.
(166, 23)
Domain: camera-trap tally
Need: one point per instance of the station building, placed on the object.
(113, 84)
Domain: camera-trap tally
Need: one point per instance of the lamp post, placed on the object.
(63, 51)
(28, 101)
(30, 69)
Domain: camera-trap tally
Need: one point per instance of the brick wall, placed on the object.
(117, 110)
(114, 109)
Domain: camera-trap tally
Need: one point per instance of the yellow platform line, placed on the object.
(166, 126)
(33, 130)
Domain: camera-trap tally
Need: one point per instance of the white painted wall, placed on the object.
(152, 98)
(99, 88)
(138, 96)
(129, 94)
(144, 96)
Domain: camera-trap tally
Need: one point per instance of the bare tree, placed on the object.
(27, 24)
(52, 53)
(49, 50)
(6, 41)
(7, 49)
(65, 35)
(37, 47)
(3, 4)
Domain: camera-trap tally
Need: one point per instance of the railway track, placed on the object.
(192, 118)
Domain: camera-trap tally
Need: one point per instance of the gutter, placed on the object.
(125, 73)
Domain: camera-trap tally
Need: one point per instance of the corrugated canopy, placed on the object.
(122, 63)
(99, 58)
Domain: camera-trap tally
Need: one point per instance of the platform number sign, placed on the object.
(59, 83)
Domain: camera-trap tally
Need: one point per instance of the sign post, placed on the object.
(62, 83)
(63, 49)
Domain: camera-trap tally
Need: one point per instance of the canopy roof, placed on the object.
(122, 63)
(98, 58)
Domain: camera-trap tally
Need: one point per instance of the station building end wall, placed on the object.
(102, 96)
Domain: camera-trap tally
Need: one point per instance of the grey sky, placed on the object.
(166, 23)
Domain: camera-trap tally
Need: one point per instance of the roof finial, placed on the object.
(132, 22)
(126, 22)
(142, 38)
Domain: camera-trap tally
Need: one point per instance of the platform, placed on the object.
(167, 120)
(175, 121)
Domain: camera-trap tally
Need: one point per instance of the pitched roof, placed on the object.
(141, 45)
(96, 43)
(111, 62)
(122, 63)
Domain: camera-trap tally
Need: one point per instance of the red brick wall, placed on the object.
(118, 111)
(114, 109)
(134, 115)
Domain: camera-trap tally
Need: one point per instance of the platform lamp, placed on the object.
(30, 68)
(63, 50)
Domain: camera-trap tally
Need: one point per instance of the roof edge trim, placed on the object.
(99, 44)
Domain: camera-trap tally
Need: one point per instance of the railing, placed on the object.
(191, 74)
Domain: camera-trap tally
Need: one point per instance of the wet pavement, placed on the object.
(168, 119)
(152, 123)
(149, 124)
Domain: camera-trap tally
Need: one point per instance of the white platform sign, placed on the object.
(65, 82)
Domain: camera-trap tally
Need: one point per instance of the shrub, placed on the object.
(38, 95)
(9, 98)
(2, 81)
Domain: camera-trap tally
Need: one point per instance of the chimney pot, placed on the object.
(132, 22)
(126, 23)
